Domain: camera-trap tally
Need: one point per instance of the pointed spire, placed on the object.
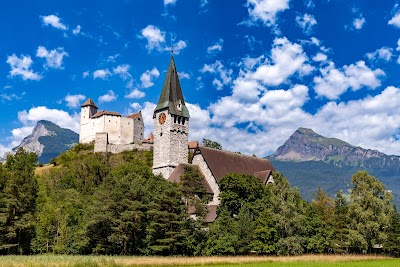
(171, 97)
(89, 102)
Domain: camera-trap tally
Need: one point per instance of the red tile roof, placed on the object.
(105, 112)
(263, 175)
(193, 144)
(149, 139)
(89, 102)
(222, 162)
(134, 116)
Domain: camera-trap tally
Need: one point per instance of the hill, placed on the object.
(48, 140)
(310, 160)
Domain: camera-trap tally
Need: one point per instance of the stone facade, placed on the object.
(101, 142)
(170, 143)
(120, 129)
(198, 160)
(101, 145)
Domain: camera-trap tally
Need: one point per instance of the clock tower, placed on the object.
(171, 126)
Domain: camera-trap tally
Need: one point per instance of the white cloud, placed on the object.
(85, 74)
(21, 66)
(113, 58)
(154, 36)
(73, 101)
(109, 97)
(215, 48)
(183, 75)
(77, 30)
(148, 77)
(306, 23)
(177, 47)
(59, 117)
(135, 93)
(398, 45)
(123, 71)
(54, 21)
(169, 2)
(135, 106)
(101, 74)
(147, 113)
(383, 53)
(335, 82)
(54, 58)
(217, 68)
(359, 22)
(286, 59)
(320, 57)
(395, 21)
(266, 10)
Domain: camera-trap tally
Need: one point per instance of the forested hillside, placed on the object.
(112, 204)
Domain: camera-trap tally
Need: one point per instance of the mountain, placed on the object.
(48, 140)
(310, 160)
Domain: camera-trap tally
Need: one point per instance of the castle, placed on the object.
(171, 147)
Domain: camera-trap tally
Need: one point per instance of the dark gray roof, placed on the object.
(89, 102)
(171, 94)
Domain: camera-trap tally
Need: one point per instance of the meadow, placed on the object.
(247, 261)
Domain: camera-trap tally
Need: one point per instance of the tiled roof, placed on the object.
(134, 116)
(263, 175)
(222, 163)
(171, 93)
(149, 139)
(89, 102)
(105, 112)
(193, 144)
(180, 169)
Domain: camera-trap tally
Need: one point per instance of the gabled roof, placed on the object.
(180, 169)
(149, 139)
(222, 163)
(89, 102)
(135, 115)
(105, 112)
(171, 93)
(193, 144)
(263, 176)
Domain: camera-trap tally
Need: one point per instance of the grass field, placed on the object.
(108, 261)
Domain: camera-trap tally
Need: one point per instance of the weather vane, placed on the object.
(172, 50)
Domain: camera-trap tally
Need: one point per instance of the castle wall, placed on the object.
(138, 130)
(198, 160)
(126, 130)
(101, 142)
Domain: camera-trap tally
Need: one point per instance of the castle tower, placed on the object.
(88, 109)
(171, 126)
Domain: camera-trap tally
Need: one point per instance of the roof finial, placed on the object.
(172, 50)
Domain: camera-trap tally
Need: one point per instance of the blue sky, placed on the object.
(252, 71)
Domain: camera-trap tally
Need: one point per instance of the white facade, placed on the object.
(120, 129)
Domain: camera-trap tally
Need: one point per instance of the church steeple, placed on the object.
(171, 97)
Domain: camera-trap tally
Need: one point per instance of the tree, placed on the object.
(341, 225)
(211, 144)
(370, 212)
(17, 202)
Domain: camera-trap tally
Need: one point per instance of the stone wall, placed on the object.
(101, 142)
(115, 149)
(198, 160)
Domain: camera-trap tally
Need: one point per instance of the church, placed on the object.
(169, 142)
(171, 147)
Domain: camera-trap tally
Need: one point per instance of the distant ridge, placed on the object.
(310, 160)
(48, 140)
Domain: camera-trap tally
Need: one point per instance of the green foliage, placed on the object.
(211, 144)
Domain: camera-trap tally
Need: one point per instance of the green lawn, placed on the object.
(105, 261)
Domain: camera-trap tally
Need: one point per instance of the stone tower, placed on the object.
(88, 109)
(171, 126)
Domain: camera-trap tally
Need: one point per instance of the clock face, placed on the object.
(162, 118)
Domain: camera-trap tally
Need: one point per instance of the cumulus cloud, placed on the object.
(306, 22)
(73, 101)
(217, 68)
(101, 74)
(169, 2)
(320, 57)
(85, 74)
(154, 36)
(215, 48)
(383, 53)
(286, 59)
(109, 97)
(54, 21)
(21, 66)
(183, 75)
(148, 77)
(395, 21)
(358, 23)
(54, 58)
(123, 71)
(334, 82)
(77, 30)
(135, 93)
(266, 11)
